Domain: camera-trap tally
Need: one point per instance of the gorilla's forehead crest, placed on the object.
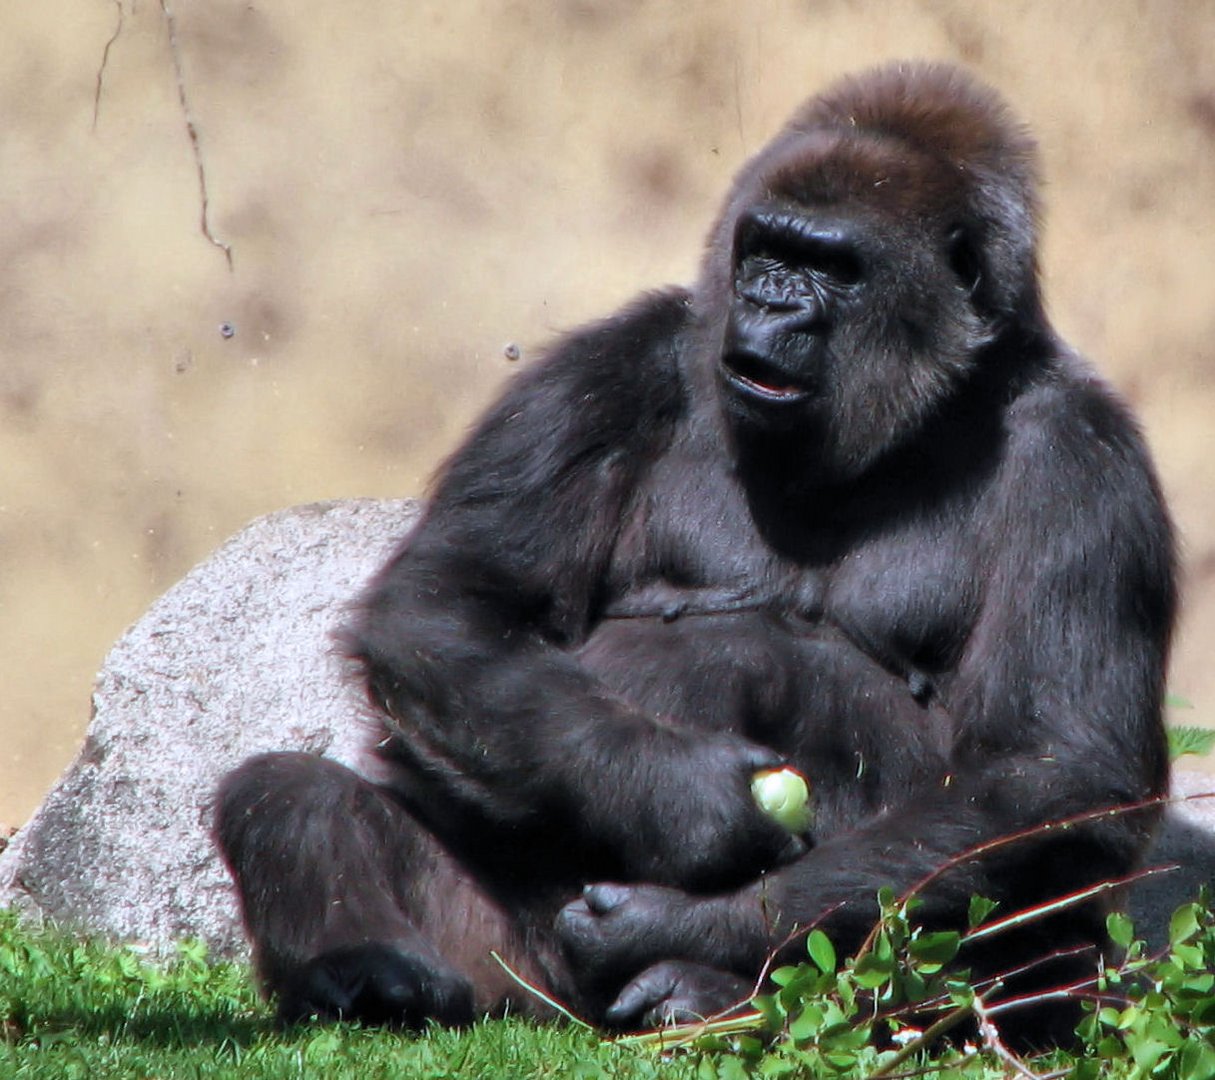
(932, 109)
(902, 123)
(911, 142)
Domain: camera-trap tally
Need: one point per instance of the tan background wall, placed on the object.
(408, 187)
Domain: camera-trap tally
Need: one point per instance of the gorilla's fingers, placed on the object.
(605, 897)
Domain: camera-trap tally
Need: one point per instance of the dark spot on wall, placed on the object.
(657, 172)
(261, 322)
(20, 394)
(234, 45)
(162, 547)
(1142, 195)
(431, 177)
(1203, 567)
(597, 15)
(1202, 112)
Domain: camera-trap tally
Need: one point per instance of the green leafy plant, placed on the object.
(882, 1013)
(1189, 739)
(875, 1014)
(1156, 1012)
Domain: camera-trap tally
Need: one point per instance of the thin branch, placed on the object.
(729, 1020)
(105, 59)
(1080, 989)
(991, 1038)
(535, 991)
(927, 1037)
(1059, 993)
(679, 1035)
(995, 844)
(1049, 958)
(988, 985)
(1080, 896)
(192, 131)
(789, 939)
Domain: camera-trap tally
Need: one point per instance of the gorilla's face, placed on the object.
(850, 309)
(795, 278)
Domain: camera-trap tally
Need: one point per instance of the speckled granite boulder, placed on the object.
(233, 660)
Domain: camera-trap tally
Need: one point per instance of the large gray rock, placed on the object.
(1186, 841)
(233, 660)
(237, 659)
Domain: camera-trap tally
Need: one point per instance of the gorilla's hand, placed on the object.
(676, 992)
(612, 932)
(686, 816)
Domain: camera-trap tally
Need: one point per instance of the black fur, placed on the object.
(850, 503)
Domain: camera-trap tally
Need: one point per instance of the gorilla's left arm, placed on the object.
(1060, 691)
(1057, 695)
(1057, 707)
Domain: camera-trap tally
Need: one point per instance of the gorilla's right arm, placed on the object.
(464, 638)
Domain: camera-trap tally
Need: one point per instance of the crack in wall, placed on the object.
(192, 131)
(105, 59)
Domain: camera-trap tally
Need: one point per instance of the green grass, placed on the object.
(73, 1009)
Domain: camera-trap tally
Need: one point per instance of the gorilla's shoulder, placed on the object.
(626, 363)
(647, 330)
(1075, 414)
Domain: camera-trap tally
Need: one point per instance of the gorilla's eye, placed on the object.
(839, 262)
(964, 258)
(798, 244)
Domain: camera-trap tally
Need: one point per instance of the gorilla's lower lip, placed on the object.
(756, 378)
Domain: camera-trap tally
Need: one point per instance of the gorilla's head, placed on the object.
(867, 259)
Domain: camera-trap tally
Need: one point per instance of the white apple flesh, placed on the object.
(784, 796)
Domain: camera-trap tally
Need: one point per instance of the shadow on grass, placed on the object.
(163, 1028)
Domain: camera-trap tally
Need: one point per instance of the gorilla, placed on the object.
(849, 504)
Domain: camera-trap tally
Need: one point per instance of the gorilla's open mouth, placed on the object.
(759, 378)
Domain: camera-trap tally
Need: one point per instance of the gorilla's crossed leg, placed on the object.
(354, 909)
(357, 910)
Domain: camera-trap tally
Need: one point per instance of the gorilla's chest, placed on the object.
(821, 657)
(690, 546)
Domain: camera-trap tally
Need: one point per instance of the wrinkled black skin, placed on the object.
(849, 503)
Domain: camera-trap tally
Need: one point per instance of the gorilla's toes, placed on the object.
(377, 983)
(675, 992)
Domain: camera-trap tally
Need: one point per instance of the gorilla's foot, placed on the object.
(377, 983)
(676, 992)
